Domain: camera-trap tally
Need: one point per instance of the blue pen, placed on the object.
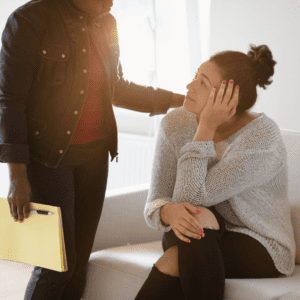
(40, 212)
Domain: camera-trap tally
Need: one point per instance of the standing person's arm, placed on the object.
(18, 68)
(137, 97)
(143, 98)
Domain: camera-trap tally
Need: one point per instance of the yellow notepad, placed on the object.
(38, 241)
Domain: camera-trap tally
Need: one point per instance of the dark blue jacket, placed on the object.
(44, 79)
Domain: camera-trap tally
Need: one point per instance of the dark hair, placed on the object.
(247, 71)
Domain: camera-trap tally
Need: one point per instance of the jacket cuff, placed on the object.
(162, 102)
(14, 153)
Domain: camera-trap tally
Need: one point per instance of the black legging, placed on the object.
(204, 264)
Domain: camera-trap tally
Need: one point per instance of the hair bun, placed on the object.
(263, 64)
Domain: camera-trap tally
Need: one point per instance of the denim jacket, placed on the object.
(44, 79)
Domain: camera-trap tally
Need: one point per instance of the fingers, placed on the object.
(228, 94)
(228, 98)
(236, 95)
(20, 212)
(185, 230)
(229, 91)
(15, 212)
(193, 224)
(180, 236)
(188, 216)
(26, 210)
(221, 92)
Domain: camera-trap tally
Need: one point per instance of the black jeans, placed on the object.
(78, 187)
(204, 264)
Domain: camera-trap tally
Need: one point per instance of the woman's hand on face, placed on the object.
(219, 111)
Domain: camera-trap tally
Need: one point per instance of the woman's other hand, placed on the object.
(180, 216)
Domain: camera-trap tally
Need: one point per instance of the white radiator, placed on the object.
(134, 161)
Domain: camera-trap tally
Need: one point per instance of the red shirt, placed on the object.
(91, 119)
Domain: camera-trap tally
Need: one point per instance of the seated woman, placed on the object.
(219, 167)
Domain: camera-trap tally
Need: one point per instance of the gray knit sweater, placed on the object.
(245, 177)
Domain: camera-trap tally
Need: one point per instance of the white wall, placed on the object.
(7, 7)
(235, 24)
(5, 11)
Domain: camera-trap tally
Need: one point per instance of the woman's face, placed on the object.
(199, 89)
(94, 7)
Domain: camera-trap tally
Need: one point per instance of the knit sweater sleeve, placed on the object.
(162, 182)
(236, 172)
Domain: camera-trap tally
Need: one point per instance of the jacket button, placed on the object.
(81, 92)
(84, 71)
(37, 133)
(61, 151)
(84, 50)
(68, 132)
(83, 29)
(75, 112)
(81, 17)
(44, 52)
(63, 56)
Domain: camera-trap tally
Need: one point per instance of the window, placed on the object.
(162, 44)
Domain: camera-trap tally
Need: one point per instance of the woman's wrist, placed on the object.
(164, 214)
(204, 133)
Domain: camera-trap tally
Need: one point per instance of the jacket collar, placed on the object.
(75, 11)
(73, 17)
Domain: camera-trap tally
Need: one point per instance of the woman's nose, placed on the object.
(190, 86)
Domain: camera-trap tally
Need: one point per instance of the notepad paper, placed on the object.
(38, 241)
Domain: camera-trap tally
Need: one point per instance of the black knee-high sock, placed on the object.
(160, 286)
(201, 268)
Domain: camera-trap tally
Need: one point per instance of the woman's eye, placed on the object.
(196, 74)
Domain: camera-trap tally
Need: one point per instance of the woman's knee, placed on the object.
(210, 240)
(168, 263)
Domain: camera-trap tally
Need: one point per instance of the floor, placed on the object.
(14, 277)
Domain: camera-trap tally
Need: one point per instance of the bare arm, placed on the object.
(17, 171)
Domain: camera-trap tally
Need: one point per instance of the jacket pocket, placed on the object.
(35, 128)
(53, 65)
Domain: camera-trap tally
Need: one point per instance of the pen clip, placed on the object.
(41, 212)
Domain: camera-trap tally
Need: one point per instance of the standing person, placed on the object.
(60, 75)
(215, 156)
